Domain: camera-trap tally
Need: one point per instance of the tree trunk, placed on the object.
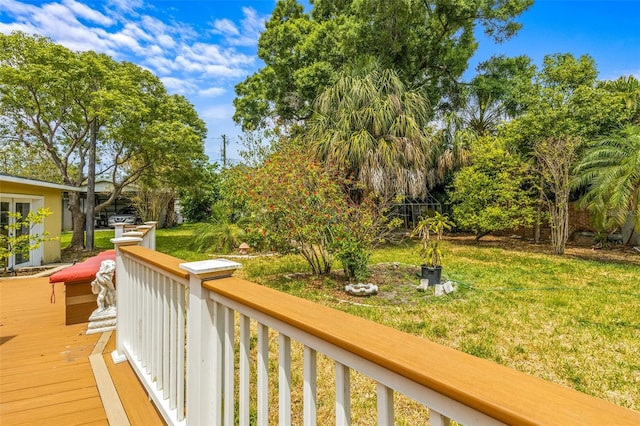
(78, 219)
(559, 226)
(538, 225)
(170, 219)
(91, 185)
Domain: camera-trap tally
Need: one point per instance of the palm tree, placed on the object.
(629, 88)
(376, 129)
(611, 172)
(450, 148)
(483, 114)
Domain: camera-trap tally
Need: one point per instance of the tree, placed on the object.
(297, 205)
(506, 81)
(293, 203)
(196, 202)
(375, 129)
(556, 157)
(495, 192)
(610, 171)
(67, 104)
(628, 89)
(428, 43)
(17, 237)
(564, 108)
(257, 146)
(450, 149)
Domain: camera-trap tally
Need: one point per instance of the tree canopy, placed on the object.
(428, 43)
(370, 125)
(61, 103)
(495, 192)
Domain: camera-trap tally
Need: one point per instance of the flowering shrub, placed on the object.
(297, 205)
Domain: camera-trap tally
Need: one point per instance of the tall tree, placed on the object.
(429, 43)
(370, 125)
(564, 108)
(506, 81)
(58, 101)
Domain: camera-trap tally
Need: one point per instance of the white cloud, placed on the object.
(223, 71)
(134, 30)
(185, 64)
(218, 112)
(211, 92)
(214, 54)
(166, 41)
(251, 26)
(86, 12)
(225, 27)
(160, 64)
(123, 40)
(154, 26)
(16, 8)
(177, 85)
(124, 5)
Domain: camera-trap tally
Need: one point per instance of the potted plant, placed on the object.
(430, 230)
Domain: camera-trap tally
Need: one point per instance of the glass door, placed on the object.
(22, 206)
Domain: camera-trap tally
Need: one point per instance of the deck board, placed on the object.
(45, 373)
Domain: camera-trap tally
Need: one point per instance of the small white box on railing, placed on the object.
(211, 269)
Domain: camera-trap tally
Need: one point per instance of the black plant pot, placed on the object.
(432, 274)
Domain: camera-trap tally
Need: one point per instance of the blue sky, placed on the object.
(203, 48)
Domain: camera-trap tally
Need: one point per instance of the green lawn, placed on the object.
(569, 320)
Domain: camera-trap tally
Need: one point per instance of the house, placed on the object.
(22, 195)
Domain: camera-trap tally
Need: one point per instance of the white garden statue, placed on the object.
(103, 286)
(104, 318)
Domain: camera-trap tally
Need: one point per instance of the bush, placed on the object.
(221, 238)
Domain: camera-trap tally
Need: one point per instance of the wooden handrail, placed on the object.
(497, 391)
(160, 260)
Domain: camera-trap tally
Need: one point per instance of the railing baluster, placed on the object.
(343, 395)
(437, 419)
(245, 334)
(156, 321)
(148, 321)
(385, 405)
(309, 391)
(218, 356)
(263, 375)
(173, 347)
(166, 333)
(181, 354)
(229, 366)
(144, 316)
(284, 380)
(138, 312)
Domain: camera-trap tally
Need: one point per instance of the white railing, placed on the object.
(150, 332)
(222, 318)
(147, 232)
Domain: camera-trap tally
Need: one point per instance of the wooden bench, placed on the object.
(80, 302)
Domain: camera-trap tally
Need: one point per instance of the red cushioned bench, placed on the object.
(79, 300)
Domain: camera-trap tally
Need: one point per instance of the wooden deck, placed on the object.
(46, 376)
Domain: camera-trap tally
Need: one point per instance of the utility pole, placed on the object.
(224, 151)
